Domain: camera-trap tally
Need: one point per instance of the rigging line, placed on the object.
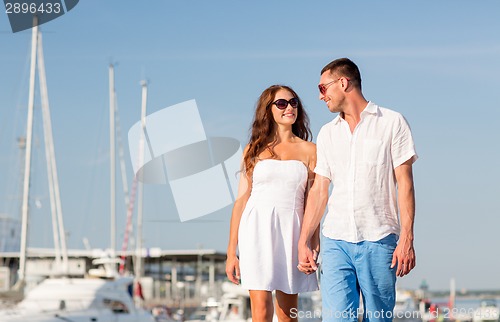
(130, 211)
(136, 185)
(129, 201)
(121, 158)
(93, 167)
(50, 175)
(59, 232)
(38, 192)
(16, 175)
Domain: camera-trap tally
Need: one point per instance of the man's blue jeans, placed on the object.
(348, 268)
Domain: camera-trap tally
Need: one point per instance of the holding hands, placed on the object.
(308, 257)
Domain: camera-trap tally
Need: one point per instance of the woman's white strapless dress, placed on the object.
(270, 228)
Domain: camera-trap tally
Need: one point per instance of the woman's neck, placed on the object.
(284, 134)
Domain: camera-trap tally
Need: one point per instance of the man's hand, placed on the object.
(233, 269)
(404, 254)
(307, 259)
(404, 257)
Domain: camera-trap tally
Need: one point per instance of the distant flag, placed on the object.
(202, 172)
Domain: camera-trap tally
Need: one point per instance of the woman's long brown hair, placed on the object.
(262, 131)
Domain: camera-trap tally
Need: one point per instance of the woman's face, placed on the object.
(288, 114)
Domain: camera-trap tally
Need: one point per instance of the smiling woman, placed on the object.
(265, 223)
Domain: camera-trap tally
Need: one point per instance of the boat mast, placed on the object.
(121, 155)
(27, 160)
(112, 157)
(45, 104)
(55, 196)
(138, 268)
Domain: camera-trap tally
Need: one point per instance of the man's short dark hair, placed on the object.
(346, 68)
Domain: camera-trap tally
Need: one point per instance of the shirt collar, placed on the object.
(371, 108)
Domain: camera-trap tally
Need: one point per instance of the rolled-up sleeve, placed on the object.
(403, 146)
(322, 166)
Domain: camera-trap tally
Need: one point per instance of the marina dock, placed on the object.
(176, 278)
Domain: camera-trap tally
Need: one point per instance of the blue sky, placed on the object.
(437, 62)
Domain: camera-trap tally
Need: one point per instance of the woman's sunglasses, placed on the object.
(283, 103)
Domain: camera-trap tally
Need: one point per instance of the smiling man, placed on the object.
(367, 153)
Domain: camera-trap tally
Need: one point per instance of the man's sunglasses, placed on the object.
(283, 103)
(322, 87)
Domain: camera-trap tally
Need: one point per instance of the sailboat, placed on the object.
(78, 299)
(102, 297)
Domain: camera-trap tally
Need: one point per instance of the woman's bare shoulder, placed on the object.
(309, 147)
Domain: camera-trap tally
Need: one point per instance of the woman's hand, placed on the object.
(233, 269)
(307, 263)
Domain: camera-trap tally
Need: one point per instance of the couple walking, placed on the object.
(367, 153)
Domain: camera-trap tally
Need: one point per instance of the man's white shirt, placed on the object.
(363, 203)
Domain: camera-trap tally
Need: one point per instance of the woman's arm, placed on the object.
(244, 189)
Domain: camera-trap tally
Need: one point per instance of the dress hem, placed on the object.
(271, 289)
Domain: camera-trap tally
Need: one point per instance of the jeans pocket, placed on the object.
(388, 242)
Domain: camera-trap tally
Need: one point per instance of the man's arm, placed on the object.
(404, 254)
(315, 207)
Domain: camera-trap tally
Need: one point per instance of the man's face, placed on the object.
(331, 91)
